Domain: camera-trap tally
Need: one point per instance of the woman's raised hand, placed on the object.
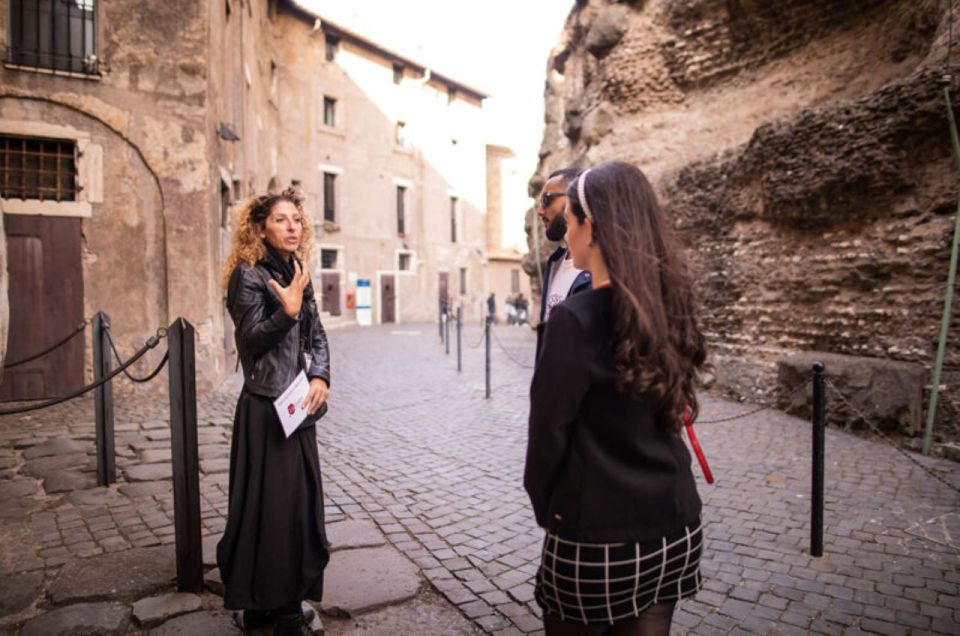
(291, 296)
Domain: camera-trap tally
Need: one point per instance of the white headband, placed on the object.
(582, 192)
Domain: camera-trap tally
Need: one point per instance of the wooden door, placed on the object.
(331, 293)
(388, 299)
(46, 304)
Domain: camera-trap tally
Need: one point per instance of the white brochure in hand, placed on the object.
(288, 405)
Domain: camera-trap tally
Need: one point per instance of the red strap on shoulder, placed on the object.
(696, 447)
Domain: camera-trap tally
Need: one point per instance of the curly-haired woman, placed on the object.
(607, 472)
(274, 548)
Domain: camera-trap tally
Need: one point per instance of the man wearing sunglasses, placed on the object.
(560, 277)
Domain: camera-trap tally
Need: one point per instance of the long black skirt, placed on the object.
(274, 548)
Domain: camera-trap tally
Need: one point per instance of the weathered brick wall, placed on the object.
(713, 39)
(802, 150)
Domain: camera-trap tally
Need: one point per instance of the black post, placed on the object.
(459, 338)
(816, 504)
(486, 337)
(103, 402)
(186, 465)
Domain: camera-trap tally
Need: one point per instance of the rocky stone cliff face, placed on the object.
(801, 148)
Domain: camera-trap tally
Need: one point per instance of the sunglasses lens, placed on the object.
(547, 198)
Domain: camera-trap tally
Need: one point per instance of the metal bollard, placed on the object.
(103, 402)
(186, 466)
(486, 337)
(816, 503)
(459, 338)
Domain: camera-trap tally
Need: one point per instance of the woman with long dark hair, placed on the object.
(607, 473)
(274, 548)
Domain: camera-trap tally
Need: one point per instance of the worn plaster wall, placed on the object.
(801, 149)
(148, 246)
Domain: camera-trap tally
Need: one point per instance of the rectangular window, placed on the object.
(332, 45)
(329, 197)
(54, 34)
(329, 111)
(453, 219)
(328, 259)
(32, 168)
(400, 134)
(515, 281)
(401, 210)
(397, 73)
(463, 280)
(404, 261)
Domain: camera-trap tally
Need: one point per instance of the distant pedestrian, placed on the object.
(522, 306)
(607, 473)
(274, 548)
(491, 308)
(510, 309)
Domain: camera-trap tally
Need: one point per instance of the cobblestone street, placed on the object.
(412, 445)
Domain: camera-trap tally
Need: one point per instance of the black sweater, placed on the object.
(598, 467)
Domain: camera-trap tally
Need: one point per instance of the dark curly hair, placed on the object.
(249, 221)
(659, 346)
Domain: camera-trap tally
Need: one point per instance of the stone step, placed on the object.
(131, 573)
(345, 535)
(363, 579)
(83, 618)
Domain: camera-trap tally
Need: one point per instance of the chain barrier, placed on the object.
(508, 353)
(884, 437)
(754, 411)
(150, 343)
(479, 342)
(738, 416)
(77, 330)
(131, 377)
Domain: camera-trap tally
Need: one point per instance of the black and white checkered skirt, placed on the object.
(604, 582)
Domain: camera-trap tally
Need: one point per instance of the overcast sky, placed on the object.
(499, 46)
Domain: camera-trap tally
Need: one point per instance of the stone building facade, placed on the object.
(167, 114)
(504, 265)
(802, 151)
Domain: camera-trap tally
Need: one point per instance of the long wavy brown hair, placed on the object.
(658, 344)
(250, 218)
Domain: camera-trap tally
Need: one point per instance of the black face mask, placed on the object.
(557, 228)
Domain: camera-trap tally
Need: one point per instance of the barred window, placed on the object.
(54, 34)
(328, 259)
(33, 168)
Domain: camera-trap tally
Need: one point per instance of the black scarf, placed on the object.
(283, 272)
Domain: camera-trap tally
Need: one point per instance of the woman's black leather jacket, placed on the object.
(268, 340)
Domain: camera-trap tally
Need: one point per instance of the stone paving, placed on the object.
(412, 446)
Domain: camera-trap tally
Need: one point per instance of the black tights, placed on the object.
(653, 621)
